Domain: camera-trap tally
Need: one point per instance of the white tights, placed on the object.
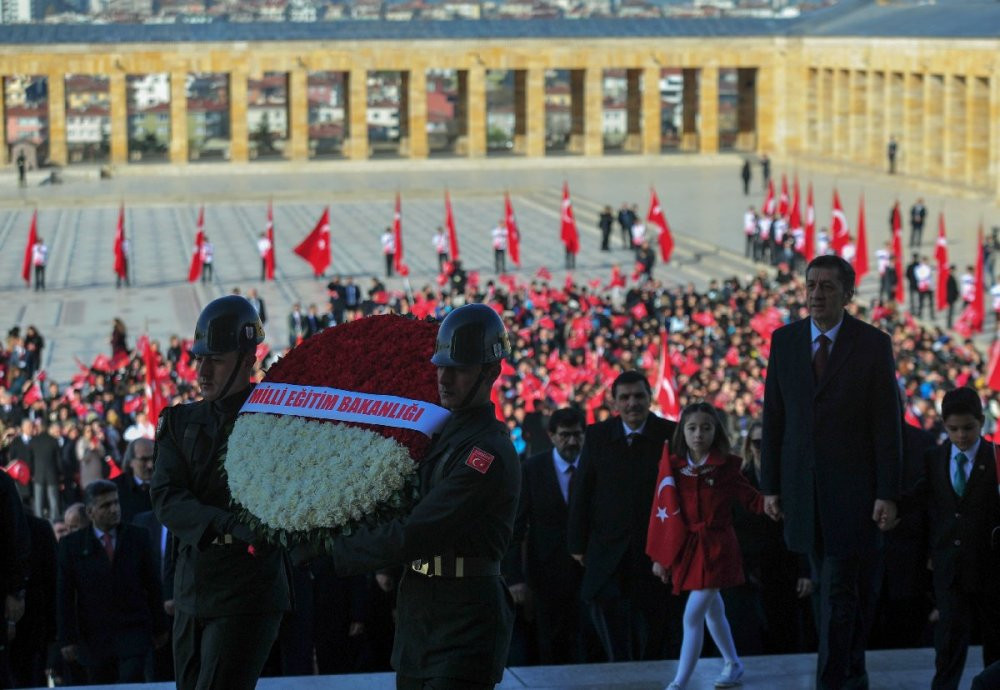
(704, 607)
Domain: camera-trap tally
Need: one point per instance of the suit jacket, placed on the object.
(541, 529)
(159, 551)
(111, 609)
(831, 448)
(959, 529)
(44, 459)
(612, 497)
(132, 497)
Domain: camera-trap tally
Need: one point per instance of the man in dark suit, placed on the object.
(830, 459)
(159, 548)
(133, 483)
(15, 567)
(314, 322)
(608, 519)
(108, 593)
(258, 304)
(962, 512)
(37, 630)
(546, 568)
(44, 452)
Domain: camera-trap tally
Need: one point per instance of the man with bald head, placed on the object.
(133, 483)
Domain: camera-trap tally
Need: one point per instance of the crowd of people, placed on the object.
(569, 343)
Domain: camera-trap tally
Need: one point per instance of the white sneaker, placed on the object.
(730, 676)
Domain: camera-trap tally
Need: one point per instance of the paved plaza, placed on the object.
(701, 197)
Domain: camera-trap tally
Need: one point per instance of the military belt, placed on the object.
(456, 566)
(224, 539)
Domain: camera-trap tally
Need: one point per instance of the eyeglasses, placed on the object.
(569, 434)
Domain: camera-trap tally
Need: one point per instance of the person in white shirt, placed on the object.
(389, 251)
(141, 429)
(207, 259)
(440, 241)
(499, 234)
(638, 235)
(849, 251)
(749, 230)
(968, 286)
(822, 242)
(39, 258)
(263, 247)
(923, 274)
(762, 246)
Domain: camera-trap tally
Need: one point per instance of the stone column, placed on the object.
(746, 109)
(475, 123)
(912, 160)
(689, 107)
(935, 150)
(413, 113)
(119, 117)
(824, 102)
(298, 114)
(593, 115)
(652, 136)
(178, 117)
(238, 140)
(356, 114)
(577, 107)
(767, 108)
(3, 125)
(708, 110)
(57, 118)
(529, 107)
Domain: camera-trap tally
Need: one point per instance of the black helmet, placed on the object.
(473, 334)
(227, 324)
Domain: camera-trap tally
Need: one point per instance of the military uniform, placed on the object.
(454, 611)
(229, 601)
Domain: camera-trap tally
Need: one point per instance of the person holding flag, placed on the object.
(263, 248)
(207, 260)
(388, 241)
(440, 242)
(691, 539)
(121, 251)
(499, 237)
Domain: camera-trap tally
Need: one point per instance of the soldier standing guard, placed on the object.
(229, 598)
(455, 614)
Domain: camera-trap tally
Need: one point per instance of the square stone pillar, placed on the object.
(824, 99)
(238, 135)
(178, 117)
(298, 114)
(119, 117)
(935, 150)
(841, 110)
(652, 135)
(767, 108)
(708, 110)
(593, 112)
(911, 162)
(57, 118)
(577, 107)
(529, 112)
(475, 113)
(413, 113)
(356, 114)
(857, 85)
(4, 144)
(689, 108)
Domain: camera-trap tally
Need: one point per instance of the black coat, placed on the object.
(541, 528)
(159, 551)
(15, 539)
(831, 448)
(111, 609)
(959, 529)
(131, 496)
(44, 459)
(612, 497)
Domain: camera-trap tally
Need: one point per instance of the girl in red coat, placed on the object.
(708, 481)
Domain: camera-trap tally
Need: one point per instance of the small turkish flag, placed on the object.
(479, 460)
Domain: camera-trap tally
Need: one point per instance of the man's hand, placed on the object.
(884, 514)
(168, 607)
(803, 587)
(357, 628)
(385, 582)
(578, 557)
(69, 652)
(772, 507)
(519, 593)
(13, 608)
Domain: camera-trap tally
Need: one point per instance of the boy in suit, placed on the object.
(962, 509)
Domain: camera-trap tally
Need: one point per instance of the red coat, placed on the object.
(711, 555)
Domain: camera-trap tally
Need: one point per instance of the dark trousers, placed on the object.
(206, 272)
(953, 633)
(916, 234)
(39, 277)
(925, 296)
(848, 595)
(263, 269)
(499, 261)
(563, 626)
(886, 289)
(442, 261)
(605, 238)
(570, 260)
(389, 261)
(122, 279)
(409, 683)
(748, 249)
(228, 651)
(632, 622)
(951, 311)
(127, 670)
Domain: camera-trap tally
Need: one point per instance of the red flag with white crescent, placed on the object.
(29, 248)
(194, 268)
(315, 248)
(783, 199)
(667, 533)
(941, 255)
(513, 234)
(861, 259)
(655, 216)
(121, 268)
(810, 252)
(449, 223)
(269, 255)
(839, 230)
(979, 300)
(665, 388)
(397, 233)
(768, 205)
(897, 251)
(567, 231)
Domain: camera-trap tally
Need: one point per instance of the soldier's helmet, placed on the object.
(472, 334)
(227, 324)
